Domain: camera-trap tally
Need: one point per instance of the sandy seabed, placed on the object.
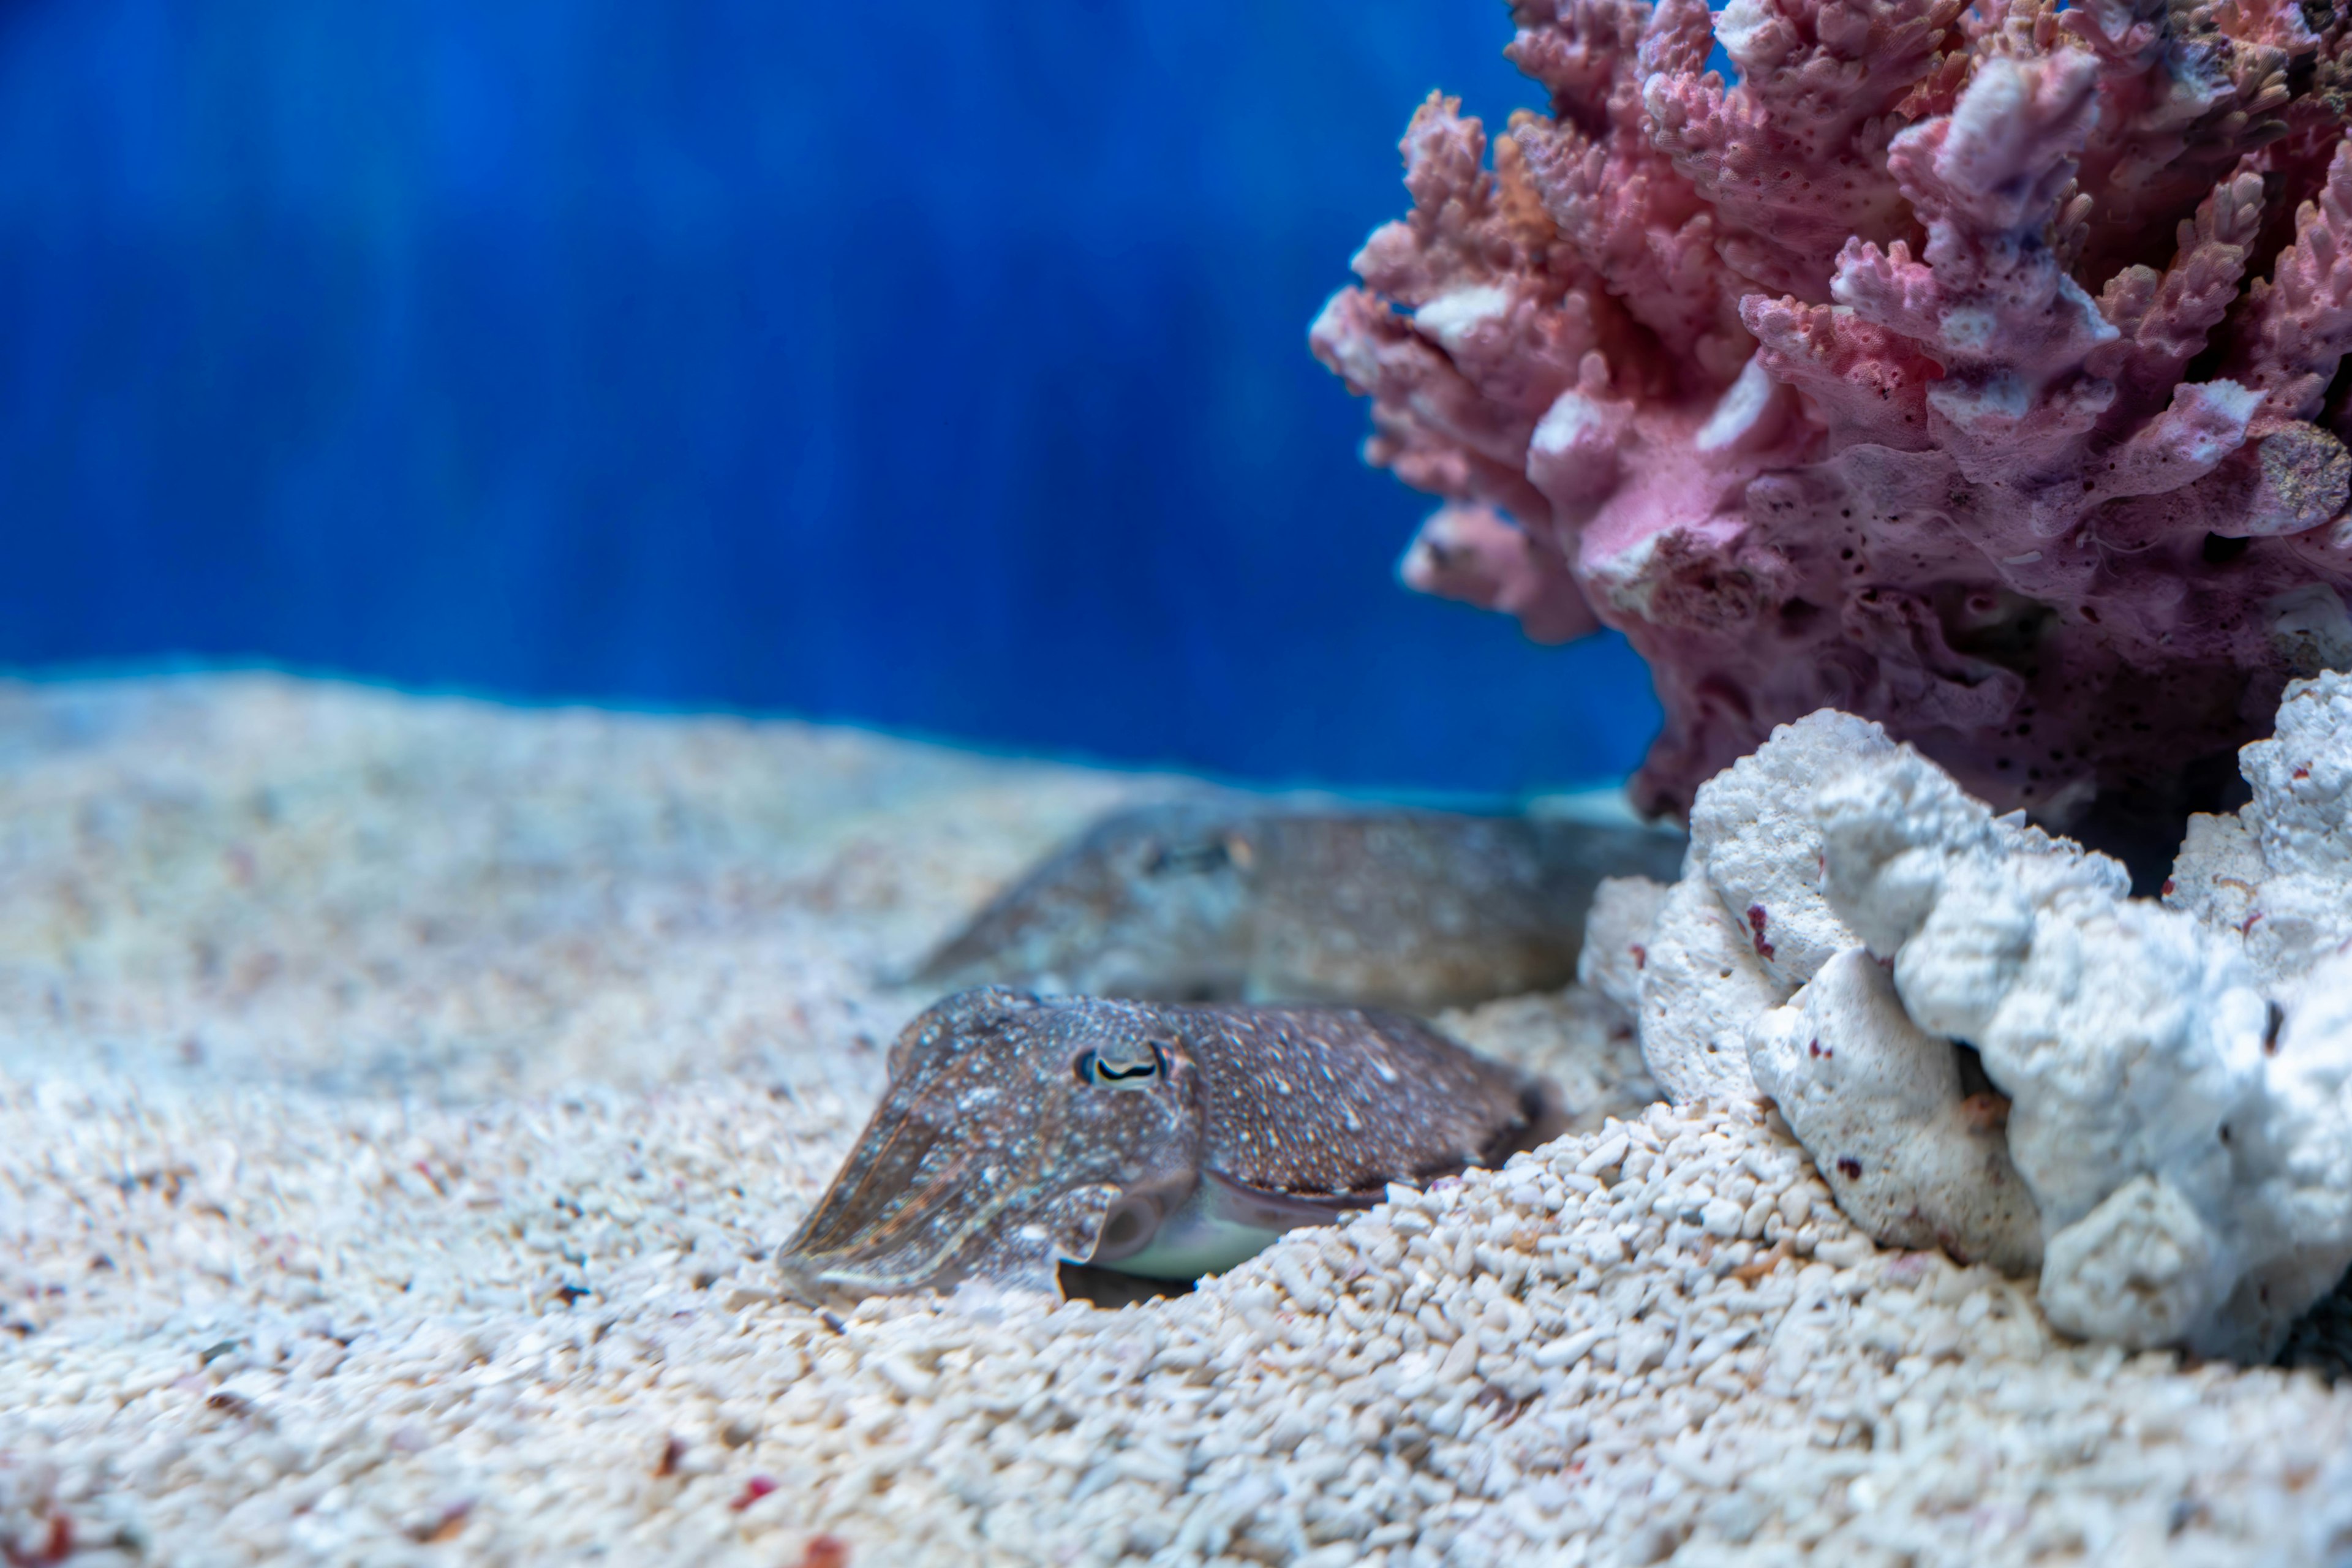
(400, 1100)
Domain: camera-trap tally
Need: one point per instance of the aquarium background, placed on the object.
(940, 366)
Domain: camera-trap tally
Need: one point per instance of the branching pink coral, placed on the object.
(1975, 370)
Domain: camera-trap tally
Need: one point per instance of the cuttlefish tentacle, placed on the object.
(1020, 1132)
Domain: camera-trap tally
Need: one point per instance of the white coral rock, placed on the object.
(2302, 776)
(1762, 858)
(1748, 923)
(2140, 1269)
(1910, 1155)
(2217, 873)
(2297, 1231)
(1908, 856)
(2278, 875)
(1701, 988)
(2180, 1147)
(2183, 1140)
(1617, 935)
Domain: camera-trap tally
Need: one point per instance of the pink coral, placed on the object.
(1973, 370)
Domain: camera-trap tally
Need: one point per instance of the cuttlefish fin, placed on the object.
(1225, 1221)
(1267, 1209)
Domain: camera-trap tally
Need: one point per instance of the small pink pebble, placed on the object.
(753, 1491)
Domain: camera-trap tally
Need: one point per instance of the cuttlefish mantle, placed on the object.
(1237, 898)
(1021, 1132)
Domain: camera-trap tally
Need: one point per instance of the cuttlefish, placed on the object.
(1247, 899)
(1020, 1132)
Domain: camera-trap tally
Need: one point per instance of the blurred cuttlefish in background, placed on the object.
(1021, 1132)
(1255, 899)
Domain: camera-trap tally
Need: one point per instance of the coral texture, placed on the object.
(2129, 1040)
(1616, 939)
(2164, 1132)
(2277, 876)
(1968, 370)
(1759, 973)
(1915, 1159)
(1748, 924)
(1700, 986)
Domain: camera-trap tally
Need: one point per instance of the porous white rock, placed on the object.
(2120, 1031)
(2217, 872)
(1617, 932)
(2277, 876)
(2135, 1043)
(2302, 1149)
(1748, 923)
(1913, 1157)
(2138, 1269)
(1702, 984)
(1763, 858)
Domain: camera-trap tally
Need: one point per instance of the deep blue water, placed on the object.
(935, 366)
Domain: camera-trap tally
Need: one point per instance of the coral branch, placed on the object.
(1989, 301)
(1641, 230)
(1586, 53)
(1634, 219)
(2302, 317)
(1867, 383)
(2184, 93)
(2163, 321)
(1430, 425)
(1793, 158)
(1476, 555)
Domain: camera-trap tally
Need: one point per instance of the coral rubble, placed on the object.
(1967, 370)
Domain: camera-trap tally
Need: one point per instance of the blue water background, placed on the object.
(935, 366)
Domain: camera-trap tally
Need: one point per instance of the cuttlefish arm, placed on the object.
(1222, 1223)
(1016, 1134)
(1019, 1133)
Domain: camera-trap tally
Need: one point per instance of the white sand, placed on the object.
(398, 1100)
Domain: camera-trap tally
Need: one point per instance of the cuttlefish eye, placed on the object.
(1123, 1066)
(1163, 859)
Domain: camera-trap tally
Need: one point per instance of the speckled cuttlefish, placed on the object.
(1226, 898)
(1020, 1132)
(1171, 1141)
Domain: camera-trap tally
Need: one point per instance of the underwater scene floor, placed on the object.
(401, 1101)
